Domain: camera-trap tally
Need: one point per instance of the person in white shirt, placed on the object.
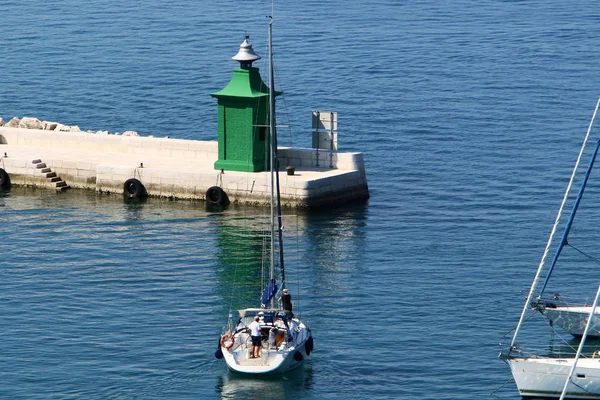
(256, 340)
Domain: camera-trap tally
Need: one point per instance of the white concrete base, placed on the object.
(175, 168)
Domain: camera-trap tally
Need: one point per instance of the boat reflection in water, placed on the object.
(236, 386)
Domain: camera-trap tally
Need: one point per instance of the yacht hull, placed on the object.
(574, 319)
(271, 361)
(545, 377)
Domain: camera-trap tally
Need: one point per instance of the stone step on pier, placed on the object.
(51, 176)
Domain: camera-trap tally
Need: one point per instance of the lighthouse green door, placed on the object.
(243, 135)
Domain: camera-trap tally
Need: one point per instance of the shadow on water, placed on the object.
(294, 384)
(3, 194)
(215, 208)
(354, 210)
(133, 208)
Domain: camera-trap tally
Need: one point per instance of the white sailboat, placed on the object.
(285, 340)
(572, 319)
(575, 377)
(539, 375)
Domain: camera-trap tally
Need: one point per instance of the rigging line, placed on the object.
(533, 313)
(501, 386)
(285, 106)
(579, 386)
(553, 231)
(562, 339)
(563, 239)
(583, 253)
(298, 303)
(230, 311)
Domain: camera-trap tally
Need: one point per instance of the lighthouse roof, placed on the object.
(246, 54)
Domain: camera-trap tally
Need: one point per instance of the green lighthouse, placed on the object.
(243, 117)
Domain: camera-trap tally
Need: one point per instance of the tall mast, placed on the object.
(273, 156)
(274, 164)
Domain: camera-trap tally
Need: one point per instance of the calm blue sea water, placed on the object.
(469, 113)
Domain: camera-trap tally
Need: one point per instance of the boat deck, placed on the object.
(249, 362)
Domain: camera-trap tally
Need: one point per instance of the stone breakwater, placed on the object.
(45, 154)
(35, 123)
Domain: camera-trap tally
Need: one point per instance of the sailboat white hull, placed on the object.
(271, 361)
(574, 319)
(545, 377)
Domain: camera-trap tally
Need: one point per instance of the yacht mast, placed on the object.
(274, 168)
(272, 160)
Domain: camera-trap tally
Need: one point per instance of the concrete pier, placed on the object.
(174, 168)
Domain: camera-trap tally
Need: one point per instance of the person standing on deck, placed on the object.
(286, 302)
(256, 339)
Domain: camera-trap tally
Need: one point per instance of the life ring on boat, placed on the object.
(216, 195)
(227, 341)
(4, 180)
(134, 189)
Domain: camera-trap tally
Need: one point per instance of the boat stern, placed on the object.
(270, 362)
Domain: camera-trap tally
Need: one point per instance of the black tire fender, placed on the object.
(216, 195)
(218, 354)
(309, 346)
(134, 189)
(4, 180)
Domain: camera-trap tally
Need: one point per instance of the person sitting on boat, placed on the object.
(286, 302)
(256, 339)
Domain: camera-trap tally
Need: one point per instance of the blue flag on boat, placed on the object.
(269, 292)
